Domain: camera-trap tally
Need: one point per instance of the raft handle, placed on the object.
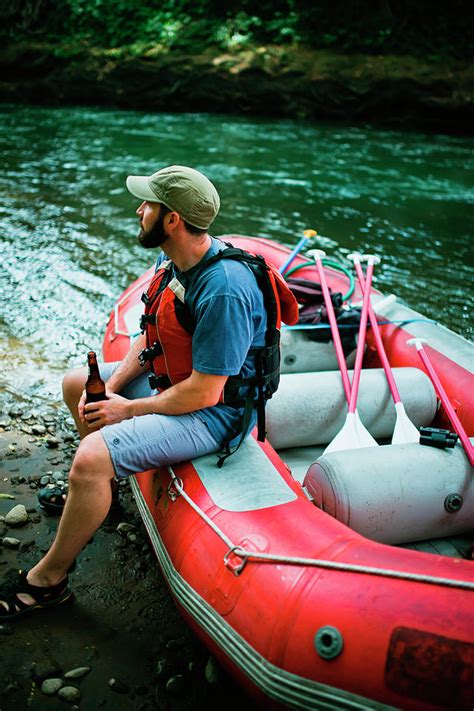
(232, 556)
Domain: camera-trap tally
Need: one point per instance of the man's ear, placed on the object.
(172, 218)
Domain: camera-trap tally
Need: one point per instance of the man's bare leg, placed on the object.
(73, 386)
(86, 507)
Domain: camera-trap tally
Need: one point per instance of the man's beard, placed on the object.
(154, 237)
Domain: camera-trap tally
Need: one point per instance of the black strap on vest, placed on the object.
(267, 359)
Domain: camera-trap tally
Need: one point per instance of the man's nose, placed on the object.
(139, 211)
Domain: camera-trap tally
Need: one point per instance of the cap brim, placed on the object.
(138, 186)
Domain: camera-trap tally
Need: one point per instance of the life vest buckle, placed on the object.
(159, 382)
(146, 319)
(148, 354)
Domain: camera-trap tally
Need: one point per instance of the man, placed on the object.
(137, 427)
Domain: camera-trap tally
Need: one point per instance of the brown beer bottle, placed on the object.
(95, 386)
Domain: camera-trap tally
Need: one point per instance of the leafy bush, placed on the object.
(372, 26)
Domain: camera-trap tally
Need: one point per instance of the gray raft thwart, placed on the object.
(310, 408)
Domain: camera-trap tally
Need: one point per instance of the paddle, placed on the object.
(405, 431)
(353, 434)
(307, 234)
(454, 419)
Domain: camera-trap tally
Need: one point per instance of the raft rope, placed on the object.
(246, 555)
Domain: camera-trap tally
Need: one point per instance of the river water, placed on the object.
(68, 228)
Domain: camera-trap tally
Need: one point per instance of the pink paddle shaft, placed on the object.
(378, 339)
(455, 421)
(361, 339)
(335, 331)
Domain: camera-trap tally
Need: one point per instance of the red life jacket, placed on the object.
(169, 326)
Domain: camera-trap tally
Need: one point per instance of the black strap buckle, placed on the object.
(146, 319)
(148, 354)
(434, 437)
(145, 298)
(159, 382)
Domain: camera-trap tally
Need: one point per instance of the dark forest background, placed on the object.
(417, 27)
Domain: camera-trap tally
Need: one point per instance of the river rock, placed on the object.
(51, 686)
(38, 429)
(17, 516)
(175, 684)
(69, 693)
(120, 687)
(124, 528)
(10, 542)
(53, 442)
(44, 480)
(211, 672)
(77, 673)
(45, 669)
(24, 545)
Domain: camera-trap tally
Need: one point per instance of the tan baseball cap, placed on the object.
(184, 190)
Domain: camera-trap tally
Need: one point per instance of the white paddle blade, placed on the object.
(405, 431)
(352, 435)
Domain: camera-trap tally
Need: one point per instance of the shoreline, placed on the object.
(292, 82)
(121, 627)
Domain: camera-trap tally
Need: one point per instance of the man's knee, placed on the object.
(73, 384)
(92, 461)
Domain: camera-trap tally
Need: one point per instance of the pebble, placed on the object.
(77, 673)
(162, 667)
(53, 442)
(58, 476)
(119, 686)
(24, 545)
(46, 669)
(211, 672)
(38, 429)
(44, 480)
(51, 686)
(17, 516)
(4, 423)
(69, 693)
(124, 528)
(175, 684)
(6, 630)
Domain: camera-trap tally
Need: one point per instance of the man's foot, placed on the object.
(18, 596)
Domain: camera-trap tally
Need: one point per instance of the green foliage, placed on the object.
(371, 26)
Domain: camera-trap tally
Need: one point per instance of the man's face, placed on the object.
(152, 230)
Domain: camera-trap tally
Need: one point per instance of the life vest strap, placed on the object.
(159, 382)
(146, 319)
(146, 355)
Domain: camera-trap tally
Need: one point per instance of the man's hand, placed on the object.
(106, 412)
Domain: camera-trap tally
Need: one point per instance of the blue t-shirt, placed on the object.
(227, 305)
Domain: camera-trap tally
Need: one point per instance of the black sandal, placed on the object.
(43, 596)
(52, 499)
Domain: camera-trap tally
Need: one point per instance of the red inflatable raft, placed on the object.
(341, 584)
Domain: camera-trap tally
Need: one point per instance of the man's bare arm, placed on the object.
(129, 368)
(196, 392)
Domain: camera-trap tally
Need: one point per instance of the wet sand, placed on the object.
(121, 624)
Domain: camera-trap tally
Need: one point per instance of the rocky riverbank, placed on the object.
(120, 644)
(435, 93)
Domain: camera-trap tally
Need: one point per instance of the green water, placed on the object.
(68, 228)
